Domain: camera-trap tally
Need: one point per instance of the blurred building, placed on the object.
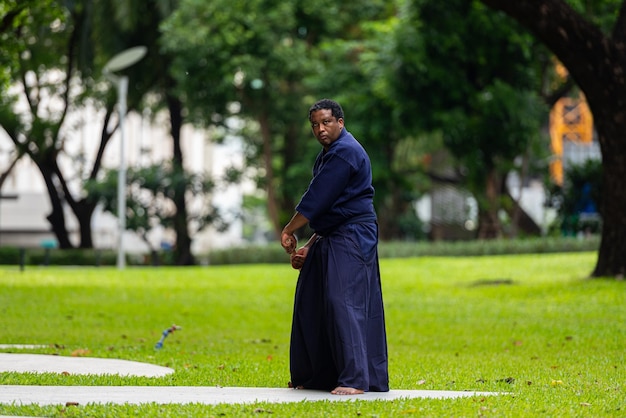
(25, 203)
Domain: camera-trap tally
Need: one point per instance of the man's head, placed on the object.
(326, 117)
(334, 107)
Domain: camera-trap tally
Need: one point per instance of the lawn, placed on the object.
(533, 326)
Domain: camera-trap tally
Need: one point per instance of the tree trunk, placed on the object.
(521, 220)
(83, 210)
(182, 249)
(612, 254)
(56, 217)
(597, 62)
(489, 226)
(272, 199)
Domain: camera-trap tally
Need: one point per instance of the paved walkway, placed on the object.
(82, 395)
(42, 363)
(54, 395)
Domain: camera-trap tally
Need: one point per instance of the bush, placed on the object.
(44, 256)
(273, 253)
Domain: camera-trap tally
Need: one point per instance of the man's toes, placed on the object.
(340, 390)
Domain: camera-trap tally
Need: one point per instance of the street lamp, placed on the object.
(119, 62)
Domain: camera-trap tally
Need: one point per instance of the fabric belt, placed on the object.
(368, 217)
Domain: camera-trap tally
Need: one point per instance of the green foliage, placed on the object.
(530, 326)
(226, 53)
(274, 254)
(50, 75)
(470, 75)
(71, 257)
(405, 249)
(22, 22)
(10, 255)
(579, 201)
(603, 13)
(29, 257)
(413, 75)
(36, 35)
(150, 194)
(362, 63)
(546, 245)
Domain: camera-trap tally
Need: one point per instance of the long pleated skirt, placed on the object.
(338, 335)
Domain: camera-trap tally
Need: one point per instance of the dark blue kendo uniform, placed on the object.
(338, 335)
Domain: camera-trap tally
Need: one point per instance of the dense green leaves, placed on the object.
(150, 199)
(471, 75)
(414, 76)
(22, 22)
(258, 55)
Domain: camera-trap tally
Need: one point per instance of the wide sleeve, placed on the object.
(325, 188)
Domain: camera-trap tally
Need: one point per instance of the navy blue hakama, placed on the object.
(338, 335)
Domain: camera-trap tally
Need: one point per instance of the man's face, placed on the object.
(326, 127)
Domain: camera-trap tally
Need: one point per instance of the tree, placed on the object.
(73, 41)
(248, 59)
(128, 23)
(578, 198)
(470, 76)
(150, 200)
(363, 65)
(593, 53)
(48, 62)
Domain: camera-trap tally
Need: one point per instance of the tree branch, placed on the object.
(619, 30)
(569, 35)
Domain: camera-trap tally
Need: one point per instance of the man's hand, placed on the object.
(289, 242)
(298, 257)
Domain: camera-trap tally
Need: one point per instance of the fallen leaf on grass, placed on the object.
(81, 352)
(508, 380)
(262, 411)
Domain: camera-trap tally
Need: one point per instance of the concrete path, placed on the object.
(41, 363)
(82, 395)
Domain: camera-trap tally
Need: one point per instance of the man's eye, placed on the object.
(326, 122)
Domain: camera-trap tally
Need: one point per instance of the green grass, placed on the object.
(514, 324)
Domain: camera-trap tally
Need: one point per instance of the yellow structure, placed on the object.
(570, 120)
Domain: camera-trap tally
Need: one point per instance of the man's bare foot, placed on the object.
(340, 390)
(291, 386)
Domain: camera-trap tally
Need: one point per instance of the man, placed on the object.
(338, 337)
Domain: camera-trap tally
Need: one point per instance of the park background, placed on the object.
(465, 107)
(481, 119)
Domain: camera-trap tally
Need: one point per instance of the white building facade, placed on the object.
(25, 203)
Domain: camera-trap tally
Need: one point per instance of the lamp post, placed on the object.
(119, 62)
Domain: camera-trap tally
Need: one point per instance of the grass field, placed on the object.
(533, 326)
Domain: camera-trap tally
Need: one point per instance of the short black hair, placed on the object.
(334, 107)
